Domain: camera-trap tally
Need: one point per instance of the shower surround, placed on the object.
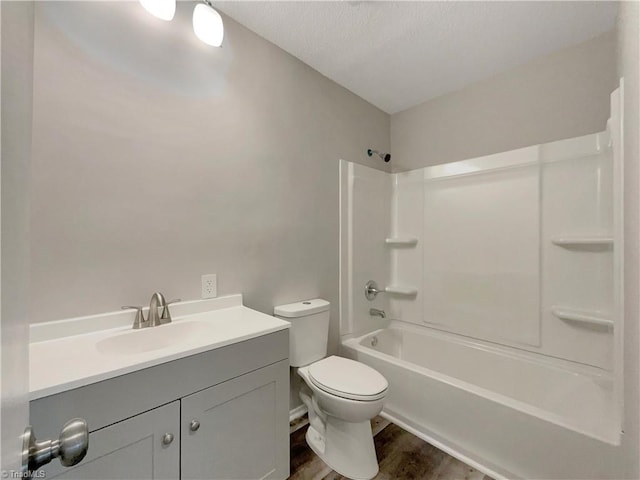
(503, 277)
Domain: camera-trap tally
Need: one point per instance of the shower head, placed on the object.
(384, 156)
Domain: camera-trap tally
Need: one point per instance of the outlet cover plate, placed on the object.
(209, 286)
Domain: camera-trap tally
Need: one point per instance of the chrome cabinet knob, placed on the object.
(194, 425)
(71, 447)
(167, 438)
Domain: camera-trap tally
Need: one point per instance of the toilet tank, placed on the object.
(309, 330)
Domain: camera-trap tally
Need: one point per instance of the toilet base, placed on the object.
(346, 447)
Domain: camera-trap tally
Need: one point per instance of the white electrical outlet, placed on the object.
(209, 286)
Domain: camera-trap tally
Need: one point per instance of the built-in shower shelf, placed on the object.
(401, 241)
(570, 242)
(581, 316)
(401, 290)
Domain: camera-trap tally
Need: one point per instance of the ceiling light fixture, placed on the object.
(207, 24)
(163, 9)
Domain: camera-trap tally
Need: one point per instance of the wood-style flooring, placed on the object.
(401, 456)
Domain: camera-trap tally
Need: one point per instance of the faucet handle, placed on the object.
(139, 322)
(166, 314)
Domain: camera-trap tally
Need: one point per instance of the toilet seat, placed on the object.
(348, 379)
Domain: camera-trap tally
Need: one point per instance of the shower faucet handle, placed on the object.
(371, 290)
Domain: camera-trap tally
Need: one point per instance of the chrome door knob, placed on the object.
(71, 447)
(73, 442)
(194, 425)
(167, 438)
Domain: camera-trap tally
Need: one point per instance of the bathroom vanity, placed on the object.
(211, 402)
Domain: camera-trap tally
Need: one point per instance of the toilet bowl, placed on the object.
(345, 388)
(341, 395)
(339, 414)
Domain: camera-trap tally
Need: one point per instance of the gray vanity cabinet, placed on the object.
(238, 394)
(233, 430)
(136, 448)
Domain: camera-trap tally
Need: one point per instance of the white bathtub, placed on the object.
(508, 413)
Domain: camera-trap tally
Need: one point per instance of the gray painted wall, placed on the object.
(628, 54)
(157, 159)
(561, 95)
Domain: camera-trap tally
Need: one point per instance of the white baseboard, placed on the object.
(297, 412)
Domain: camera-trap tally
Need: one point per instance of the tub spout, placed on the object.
(374, 312)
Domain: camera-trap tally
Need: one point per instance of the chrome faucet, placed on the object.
(157, 301)
(155, 318)
(374, 312)
(140, 321)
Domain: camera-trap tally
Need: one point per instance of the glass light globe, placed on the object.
(163, 9)
(207, 25)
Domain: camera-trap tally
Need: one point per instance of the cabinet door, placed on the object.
(243, 428)
(129, 450)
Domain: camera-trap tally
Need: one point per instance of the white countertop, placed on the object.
(70, 353)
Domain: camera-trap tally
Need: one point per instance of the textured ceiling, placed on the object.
(399, 54)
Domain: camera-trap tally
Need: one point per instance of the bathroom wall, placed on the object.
(628, 54)
(157, 159)
(493, 258)
(365, 220)
(561, 95)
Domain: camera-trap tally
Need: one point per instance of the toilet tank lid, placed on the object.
(302, 309)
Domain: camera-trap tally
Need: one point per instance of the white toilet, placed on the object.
(343, 395)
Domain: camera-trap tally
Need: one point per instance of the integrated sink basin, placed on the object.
(91, 349)
(154, 338)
